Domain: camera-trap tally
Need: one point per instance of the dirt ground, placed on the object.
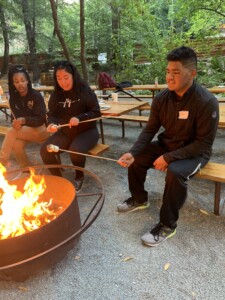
(110, 263)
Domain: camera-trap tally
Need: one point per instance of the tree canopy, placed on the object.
(134, 36)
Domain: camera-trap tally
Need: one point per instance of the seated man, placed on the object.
(189, 115)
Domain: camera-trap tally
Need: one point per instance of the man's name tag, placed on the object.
(183, 114)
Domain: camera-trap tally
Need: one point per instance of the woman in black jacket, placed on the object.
(28, 117)
(71, 102)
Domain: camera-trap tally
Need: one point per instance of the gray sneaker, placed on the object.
(158, 234)
(131, 205)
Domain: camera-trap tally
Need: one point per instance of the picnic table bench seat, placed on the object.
(3, 130)
(214, 172)
(132, 118)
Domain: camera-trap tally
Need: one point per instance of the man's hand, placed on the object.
(126, 160)
(160, 164)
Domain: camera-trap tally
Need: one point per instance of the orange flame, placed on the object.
(22, 211)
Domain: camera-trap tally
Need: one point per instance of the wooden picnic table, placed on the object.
(217, 89)
(120, 107)
(44, 88)
(109, 108)
(4, 106)
(112, 108)
(145, 87)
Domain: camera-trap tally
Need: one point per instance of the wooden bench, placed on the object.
(95, 151)
(132, 118)
(144, 107)
(3, 130)
(221, 99)
(214, 172)
(98, 149)
(143, 119)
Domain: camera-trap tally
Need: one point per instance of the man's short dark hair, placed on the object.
(185, 55)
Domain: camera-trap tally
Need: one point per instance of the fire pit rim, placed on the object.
(86, 224)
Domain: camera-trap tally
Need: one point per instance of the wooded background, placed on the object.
(135, 36)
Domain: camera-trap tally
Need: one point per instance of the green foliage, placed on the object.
(212, 72)
(135, 35)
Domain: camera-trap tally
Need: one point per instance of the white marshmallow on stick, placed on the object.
(54, 148)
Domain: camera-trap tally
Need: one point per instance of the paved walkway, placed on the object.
(110, 263)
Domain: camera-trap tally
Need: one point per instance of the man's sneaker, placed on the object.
(131, 205)
(157, 235)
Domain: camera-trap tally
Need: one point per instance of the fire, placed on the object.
(22, 211)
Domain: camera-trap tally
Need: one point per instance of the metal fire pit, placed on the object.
(25, 255)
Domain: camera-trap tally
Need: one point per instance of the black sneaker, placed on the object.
(158, 234)
(78, 183)
(131, 205)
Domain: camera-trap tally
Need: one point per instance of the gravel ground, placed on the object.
(110, 263)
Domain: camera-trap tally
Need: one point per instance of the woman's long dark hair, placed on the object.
(69, 67)
(13, 70)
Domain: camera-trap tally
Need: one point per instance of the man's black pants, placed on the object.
(175, 190)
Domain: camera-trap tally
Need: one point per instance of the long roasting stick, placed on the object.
(54, 148)
(89, 120)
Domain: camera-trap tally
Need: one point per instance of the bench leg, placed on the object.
(218, 202)
(102, 131)
(123, 129)
(140, 115)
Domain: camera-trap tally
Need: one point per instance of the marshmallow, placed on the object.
(52, 148)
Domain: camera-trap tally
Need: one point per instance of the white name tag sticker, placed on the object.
(183, 114)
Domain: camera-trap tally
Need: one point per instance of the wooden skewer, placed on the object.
(89, 120)
(53, 148)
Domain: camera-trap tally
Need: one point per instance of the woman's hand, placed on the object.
(17, 123)
(74, 122)
(126, 160)
(52, 128)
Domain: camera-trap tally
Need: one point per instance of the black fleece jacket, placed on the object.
(31, 107)
(64, 105)
(190, 124)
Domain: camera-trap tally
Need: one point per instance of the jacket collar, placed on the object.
(186, 95)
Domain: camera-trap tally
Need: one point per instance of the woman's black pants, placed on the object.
(82, 142)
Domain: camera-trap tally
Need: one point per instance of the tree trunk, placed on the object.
(57, 29)
(6, 42)
(30, 32)
(82, 41)
(115, 34)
